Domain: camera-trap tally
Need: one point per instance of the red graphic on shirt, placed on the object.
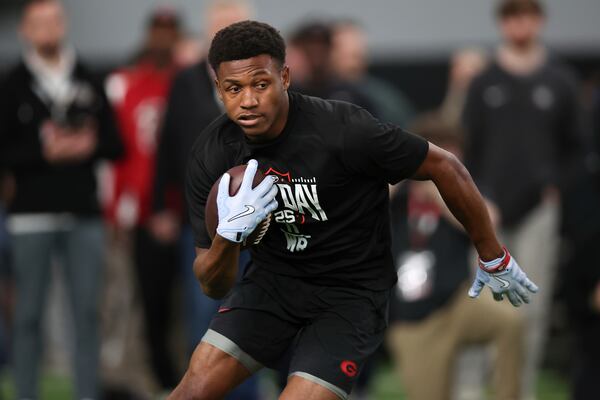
(349, 368)
(281, 174)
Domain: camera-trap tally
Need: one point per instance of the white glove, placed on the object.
(239, 215)
(504, 276)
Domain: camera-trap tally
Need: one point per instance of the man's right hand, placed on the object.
(64, 145)
(240, 214)
(165, 226)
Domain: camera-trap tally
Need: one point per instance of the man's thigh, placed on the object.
(211, 374)
(332, 349)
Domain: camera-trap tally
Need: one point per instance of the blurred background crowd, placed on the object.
(100, 103)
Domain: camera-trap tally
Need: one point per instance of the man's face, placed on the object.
(43, 26)
(163, 37)
(522, 29)
(349, 53)
(254, 92)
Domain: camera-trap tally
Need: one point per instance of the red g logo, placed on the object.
(349, 368)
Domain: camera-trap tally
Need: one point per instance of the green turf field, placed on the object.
(386, 386)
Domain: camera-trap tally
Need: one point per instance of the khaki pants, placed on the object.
(425, 351)
(534, 243)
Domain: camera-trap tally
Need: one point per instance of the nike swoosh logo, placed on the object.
(249, 210)
(504, 283)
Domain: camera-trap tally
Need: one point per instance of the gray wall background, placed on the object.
(109, 30)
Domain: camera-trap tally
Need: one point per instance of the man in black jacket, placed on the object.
(55, 123)
(191, 106)
(524, 108)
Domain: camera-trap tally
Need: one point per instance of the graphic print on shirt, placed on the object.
(300, 202)
(147, 116)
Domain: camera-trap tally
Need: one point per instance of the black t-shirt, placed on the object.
(334, 162)
(524, 133)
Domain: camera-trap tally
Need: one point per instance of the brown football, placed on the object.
(212, 215)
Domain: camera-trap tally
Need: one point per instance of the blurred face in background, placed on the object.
(188, 51)
(296, 60)
(312, 43)
(521, 30)
(349, 52)
(223, 13)
(43, 26)
(163, 34)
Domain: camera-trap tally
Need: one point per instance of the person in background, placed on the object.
(6, 278)
(431, 318)
(319, 286)
(191, 106)
(580, 274)
(55, 124)
(523, 123)
(188, 51)
(138, 94)
(465, 65)
(349, 62)
(311, 46)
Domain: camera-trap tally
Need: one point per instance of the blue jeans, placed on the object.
(81, 253)
(200, 309)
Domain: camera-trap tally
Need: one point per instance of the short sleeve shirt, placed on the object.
(333, 162)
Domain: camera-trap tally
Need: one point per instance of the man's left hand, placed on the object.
(503, 276)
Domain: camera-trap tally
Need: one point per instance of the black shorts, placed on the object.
(322, 333)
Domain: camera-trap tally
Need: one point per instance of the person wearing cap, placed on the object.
(138, 95)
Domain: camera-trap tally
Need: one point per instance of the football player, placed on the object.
(320, 280)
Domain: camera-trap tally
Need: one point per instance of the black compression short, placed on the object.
(324, 334)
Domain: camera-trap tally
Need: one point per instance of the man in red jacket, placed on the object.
(138, 93)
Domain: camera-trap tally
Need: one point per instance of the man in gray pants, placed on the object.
(55, 123)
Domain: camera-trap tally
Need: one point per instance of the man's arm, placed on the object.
(497, 269)
(462, 198)
(216, 268)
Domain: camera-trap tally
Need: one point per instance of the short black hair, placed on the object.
(244, 40)
(512, 8)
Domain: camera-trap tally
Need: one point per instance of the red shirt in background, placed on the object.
(138, 94)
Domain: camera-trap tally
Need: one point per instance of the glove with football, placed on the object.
(240, 214)
(504, 276)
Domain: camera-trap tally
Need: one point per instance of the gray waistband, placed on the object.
(226, 345)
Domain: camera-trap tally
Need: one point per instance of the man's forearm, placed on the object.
(460, 194)
(217, 267)
(466, 203)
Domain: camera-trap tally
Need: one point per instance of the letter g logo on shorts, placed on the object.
(349, 368)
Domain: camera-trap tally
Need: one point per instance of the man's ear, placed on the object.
(285, 77)
(218, 87)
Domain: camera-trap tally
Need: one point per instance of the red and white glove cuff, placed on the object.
(497, 265)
